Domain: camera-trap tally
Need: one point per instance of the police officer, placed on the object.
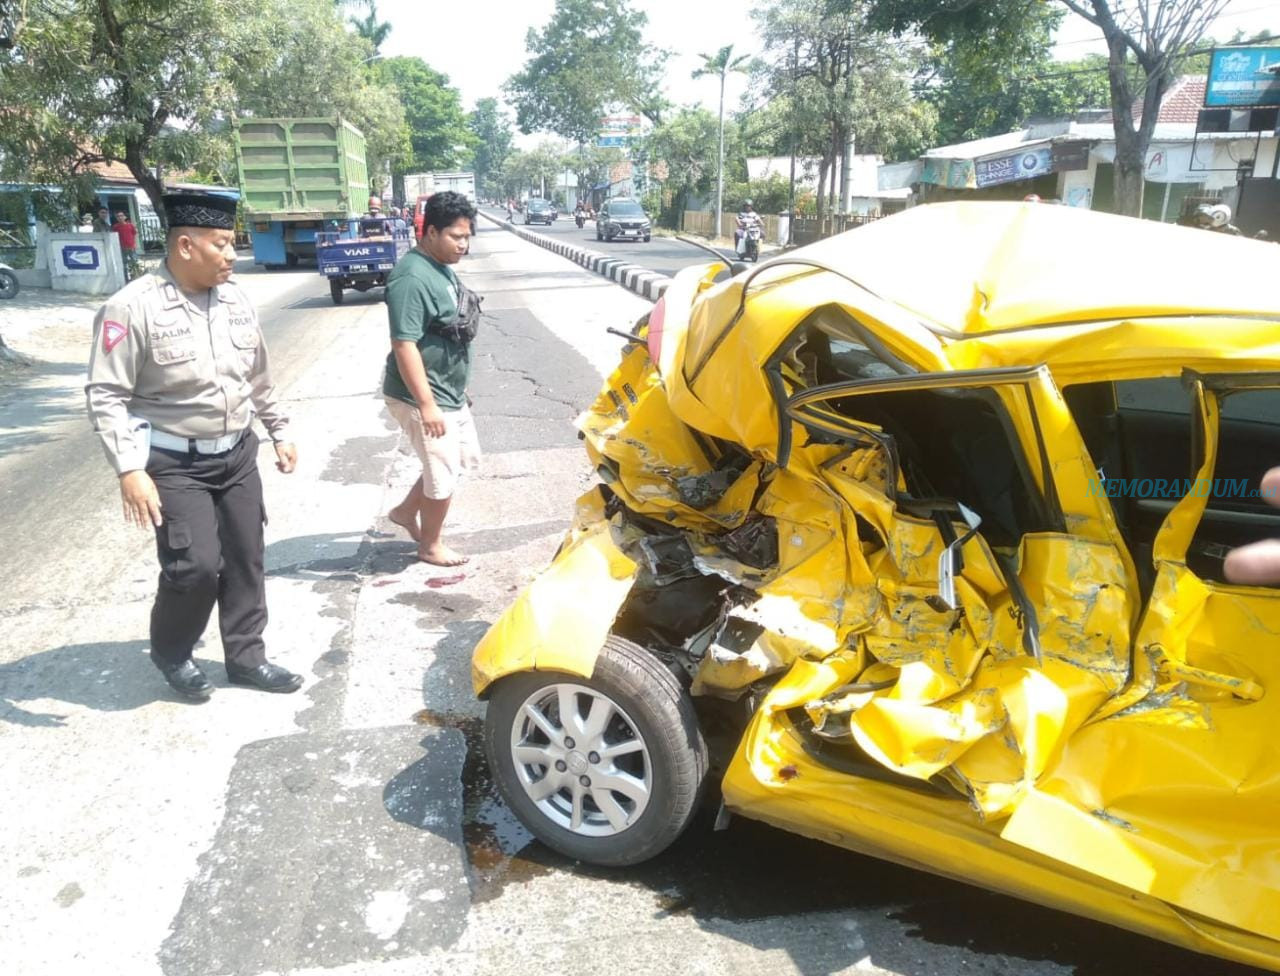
(177, 373)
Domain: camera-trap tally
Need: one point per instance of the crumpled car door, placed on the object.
(1173, 789)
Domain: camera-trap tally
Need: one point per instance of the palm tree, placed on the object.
(370, 28)
(720, 64)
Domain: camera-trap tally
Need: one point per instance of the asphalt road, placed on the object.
(665, 255)
(353, 828)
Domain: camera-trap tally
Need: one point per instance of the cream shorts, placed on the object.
(444, 459)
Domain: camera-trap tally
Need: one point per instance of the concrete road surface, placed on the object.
(665, 255)
(352, 828)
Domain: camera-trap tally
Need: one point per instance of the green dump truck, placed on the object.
(296, 175)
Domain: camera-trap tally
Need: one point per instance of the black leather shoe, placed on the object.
(266, 677)
(187, 680)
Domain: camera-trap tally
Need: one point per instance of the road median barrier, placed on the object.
(643, 282)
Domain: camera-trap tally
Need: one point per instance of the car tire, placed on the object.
(646, 238)
(335, 292)
(599, 236)
(9, 286)
(608, 238)
(661, 774)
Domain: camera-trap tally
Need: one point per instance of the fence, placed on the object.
(808, 228)
(699, 222)
(18, 257)
(805, 228)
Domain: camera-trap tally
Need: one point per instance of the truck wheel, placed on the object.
(607, 769)
(335, 291)
(291, 260)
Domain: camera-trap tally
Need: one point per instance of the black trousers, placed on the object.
(211, 551)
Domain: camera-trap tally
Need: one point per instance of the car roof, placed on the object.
(973, 269)
(979, 286)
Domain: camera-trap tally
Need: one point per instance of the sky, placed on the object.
(480, 43)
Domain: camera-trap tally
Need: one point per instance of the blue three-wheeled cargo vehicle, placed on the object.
(361, 252)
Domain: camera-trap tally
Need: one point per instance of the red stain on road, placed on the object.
(438, 581)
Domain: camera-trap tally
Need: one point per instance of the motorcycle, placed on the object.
(749, 241)
(8, 281)
(579, 218)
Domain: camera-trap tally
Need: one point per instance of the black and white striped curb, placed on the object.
(645, 283)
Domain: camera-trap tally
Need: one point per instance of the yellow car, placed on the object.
(930, 519)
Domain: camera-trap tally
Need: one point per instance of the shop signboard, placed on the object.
(1066, 157)
(956, 174)
(1021, 165)
(1243, 77)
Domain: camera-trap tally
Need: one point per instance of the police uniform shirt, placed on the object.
(162, 357)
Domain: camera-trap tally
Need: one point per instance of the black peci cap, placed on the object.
(199, 210)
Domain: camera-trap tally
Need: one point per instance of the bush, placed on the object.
(767, 196)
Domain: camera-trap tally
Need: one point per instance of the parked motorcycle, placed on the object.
(8, 281)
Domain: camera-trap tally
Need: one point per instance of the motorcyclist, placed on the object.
(747, 218)
(580, 214)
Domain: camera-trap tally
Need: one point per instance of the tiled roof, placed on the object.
(1182, 101)
(115, 171)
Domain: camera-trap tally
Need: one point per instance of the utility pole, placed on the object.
(791, 192)
(715, 233)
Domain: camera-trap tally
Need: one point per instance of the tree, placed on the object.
(686, 144)
(90, 81)
(1147, 41)
(438, 135)
(492, 138)
(841, 79)
(1156, 34)
(304, 62)
(719, 65)
(590, 57)
(369, 27)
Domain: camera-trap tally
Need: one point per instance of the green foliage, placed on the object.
(304, 62)
(831, 75)
(767, 196)
(687, 145)
(369, 27)
(492, 137)
(591, 56)
(99, 80)
(438, 135)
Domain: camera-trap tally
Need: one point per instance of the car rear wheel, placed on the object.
(599, 236)
(606, 769)
(8, 284)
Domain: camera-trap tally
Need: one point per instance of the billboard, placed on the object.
(1021, 165)
(1242, 77)
(617, 131)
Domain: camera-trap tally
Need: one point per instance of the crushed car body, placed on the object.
(859, 496)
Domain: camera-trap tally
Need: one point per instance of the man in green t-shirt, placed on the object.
(428, 371)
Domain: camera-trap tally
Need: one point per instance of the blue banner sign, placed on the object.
(1014, 166)
(1243, 77)
(612, 142)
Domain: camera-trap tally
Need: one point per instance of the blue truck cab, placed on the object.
(360, 253)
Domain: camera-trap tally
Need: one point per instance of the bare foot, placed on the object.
(442, 555)
(407, 521)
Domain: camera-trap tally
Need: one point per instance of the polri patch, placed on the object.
(113, 333)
